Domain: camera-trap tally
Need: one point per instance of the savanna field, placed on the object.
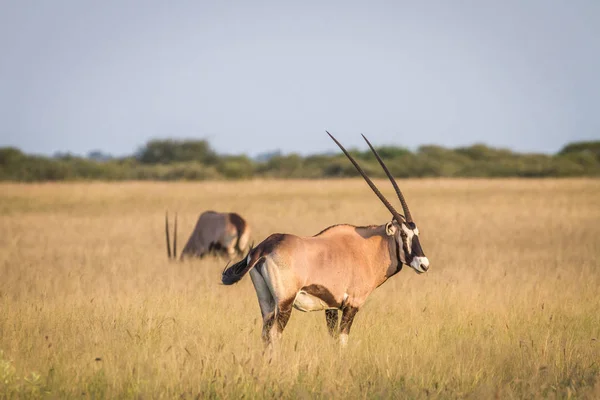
(91, 307)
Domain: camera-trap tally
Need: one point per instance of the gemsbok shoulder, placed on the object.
(334, 270)
(223, 234)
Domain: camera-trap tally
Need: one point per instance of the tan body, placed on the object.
(334, 270)
(348, 261)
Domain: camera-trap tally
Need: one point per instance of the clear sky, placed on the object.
(254, 76)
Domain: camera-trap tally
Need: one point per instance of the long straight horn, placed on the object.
(389, 175)
(395, 213)
(175, 239)
(167, 234)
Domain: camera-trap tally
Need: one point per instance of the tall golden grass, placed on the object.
(90, 306)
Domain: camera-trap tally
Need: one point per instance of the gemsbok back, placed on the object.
(334, 270)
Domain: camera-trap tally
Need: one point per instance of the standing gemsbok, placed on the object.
(335, 270)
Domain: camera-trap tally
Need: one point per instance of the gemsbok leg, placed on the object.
(282, 316)
(266, 301)
(331, 316)
(348, 313)
(274, 322)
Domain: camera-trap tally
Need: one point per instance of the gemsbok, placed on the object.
(334, 270)
(224, 234)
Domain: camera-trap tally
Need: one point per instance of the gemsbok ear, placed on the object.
(390, 229)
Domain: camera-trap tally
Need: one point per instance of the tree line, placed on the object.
(196, 160)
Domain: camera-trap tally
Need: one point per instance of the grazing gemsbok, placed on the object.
(218, 233)
(335, 270)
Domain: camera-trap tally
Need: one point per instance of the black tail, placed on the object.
(174, 255)
(237, 271)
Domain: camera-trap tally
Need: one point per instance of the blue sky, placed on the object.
(258, 76)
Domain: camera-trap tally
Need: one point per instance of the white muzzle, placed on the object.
(420, 264)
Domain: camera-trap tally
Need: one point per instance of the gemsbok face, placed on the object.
(406, 235)
(333, 271)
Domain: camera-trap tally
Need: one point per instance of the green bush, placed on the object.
(236, 167)
(172, 151)
(589, 148)
(195, 160)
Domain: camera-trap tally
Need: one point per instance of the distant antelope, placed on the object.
(334, 270)
(218, 233)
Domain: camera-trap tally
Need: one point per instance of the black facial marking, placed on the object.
(398, 250)
(417, 251)
(408, 256)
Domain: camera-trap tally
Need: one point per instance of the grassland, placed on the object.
(90, 306)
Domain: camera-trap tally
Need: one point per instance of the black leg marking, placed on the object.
(331, 316)
(348, 314)
(284, 311)
(268, 322)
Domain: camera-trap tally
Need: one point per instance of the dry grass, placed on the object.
(90, 306)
